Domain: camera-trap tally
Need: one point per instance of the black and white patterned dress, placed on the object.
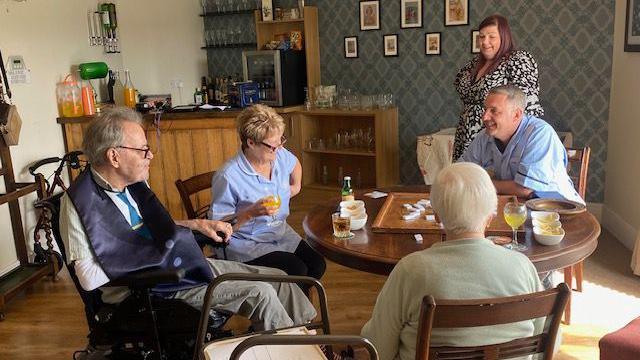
(519, 68)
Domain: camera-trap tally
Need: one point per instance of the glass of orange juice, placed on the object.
(273, 201)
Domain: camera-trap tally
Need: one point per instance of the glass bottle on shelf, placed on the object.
(325, 175)
(340, 175)
(197, 97)
(307, 101)
(118, 90)
(129, 91)
(347, 191)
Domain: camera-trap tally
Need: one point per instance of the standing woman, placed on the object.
(247, 186)
(498, 63)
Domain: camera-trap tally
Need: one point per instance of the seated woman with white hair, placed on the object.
(465, 266)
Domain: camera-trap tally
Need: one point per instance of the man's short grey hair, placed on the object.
(464, 197)
(515, 95)
(105, 131)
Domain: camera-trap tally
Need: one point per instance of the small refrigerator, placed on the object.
(281, 76)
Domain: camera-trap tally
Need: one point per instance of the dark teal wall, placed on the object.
(572, 41)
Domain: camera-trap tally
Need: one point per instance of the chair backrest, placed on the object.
(92, 299)
(578, 168)
(192, 186)
(483, 312)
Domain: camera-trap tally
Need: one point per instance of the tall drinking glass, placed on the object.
(273, 200)
(515, 214)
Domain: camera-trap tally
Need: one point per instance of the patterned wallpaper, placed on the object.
(570, 39)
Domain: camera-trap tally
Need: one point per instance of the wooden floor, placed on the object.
(47, 320)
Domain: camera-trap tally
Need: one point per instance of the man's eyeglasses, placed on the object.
(145, 149)
(283, 140)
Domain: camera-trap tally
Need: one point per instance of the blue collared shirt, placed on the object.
(237, 185)
(534, 158)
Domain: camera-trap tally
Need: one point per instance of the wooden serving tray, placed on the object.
(389, 218)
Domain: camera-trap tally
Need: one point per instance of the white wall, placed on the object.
(621, 214)
(160, 40)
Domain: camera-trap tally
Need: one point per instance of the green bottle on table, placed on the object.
(347, 191)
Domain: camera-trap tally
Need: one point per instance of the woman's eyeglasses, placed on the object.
(145, 149)
(283, 140)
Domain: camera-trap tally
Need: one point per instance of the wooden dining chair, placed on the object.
(578, 169)
(435, 314)
(192, 186)
(198, 209)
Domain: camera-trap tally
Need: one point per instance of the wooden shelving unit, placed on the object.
(26, 273)
(266, 31)
(376, 168)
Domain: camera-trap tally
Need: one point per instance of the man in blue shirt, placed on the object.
(522, 153)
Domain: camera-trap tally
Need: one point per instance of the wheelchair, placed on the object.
(143, 326)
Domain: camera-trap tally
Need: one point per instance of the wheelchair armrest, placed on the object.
(203, 239)
(303, 340)
(149, 278)
(208, 299)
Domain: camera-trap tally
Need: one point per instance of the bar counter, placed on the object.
(184, 144)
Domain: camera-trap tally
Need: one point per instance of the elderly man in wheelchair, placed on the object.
(134, 266)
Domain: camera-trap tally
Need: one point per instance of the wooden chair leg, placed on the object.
(568, 277)
(577, 270)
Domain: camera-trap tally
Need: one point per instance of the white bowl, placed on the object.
(541, 224)
(352, 208)
(547, 239)
(358, 222)
(352, 204)
(355, 213)
(545, 216)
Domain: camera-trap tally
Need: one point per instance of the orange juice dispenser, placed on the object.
(69, 97)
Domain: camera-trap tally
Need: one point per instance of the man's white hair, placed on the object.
(464, 197)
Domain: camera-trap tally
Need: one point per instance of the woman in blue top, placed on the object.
(246, 185)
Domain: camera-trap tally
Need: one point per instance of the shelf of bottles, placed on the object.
(223, 46)
(224, 13)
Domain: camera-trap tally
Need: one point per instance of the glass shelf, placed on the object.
(223, 13)
(229, 46)
(355, 152)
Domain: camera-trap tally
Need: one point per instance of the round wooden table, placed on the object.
(379, 252)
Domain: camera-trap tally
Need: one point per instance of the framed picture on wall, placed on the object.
(432, 43)
(456, 12)
(410, 14)
(475, 41)
(390, 43)
(351, 46)
(370, 15)
(632, 26)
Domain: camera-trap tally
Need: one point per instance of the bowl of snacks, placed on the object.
(358, 222)
(548, 235)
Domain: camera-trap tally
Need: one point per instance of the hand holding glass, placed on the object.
(515, 214)
(273, 201)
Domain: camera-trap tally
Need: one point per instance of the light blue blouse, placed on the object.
(534, 158)
(237, 185)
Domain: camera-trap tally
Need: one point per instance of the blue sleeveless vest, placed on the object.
(121, 250)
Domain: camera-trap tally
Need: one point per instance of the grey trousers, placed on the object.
(268, 305)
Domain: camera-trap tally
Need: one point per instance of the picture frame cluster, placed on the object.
(456, 13)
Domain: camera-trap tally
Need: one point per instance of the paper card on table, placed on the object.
(376, 194)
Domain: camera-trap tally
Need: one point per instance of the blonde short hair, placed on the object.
(464, 197)
(256, 121)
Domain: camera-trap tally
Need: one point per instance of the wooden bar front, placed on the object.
(184, 144)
